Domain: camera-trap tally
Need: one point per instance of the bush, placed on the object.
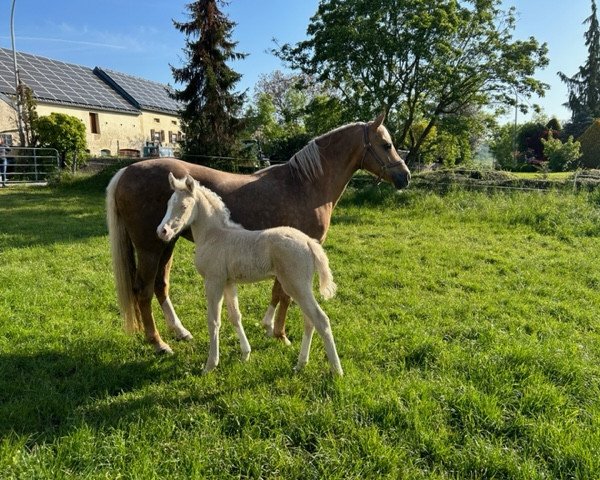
(65, 133)
(562, 156)
(280, 150)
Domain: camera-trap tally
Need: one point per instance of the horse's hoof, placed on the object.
(245, 356)
(284, 340)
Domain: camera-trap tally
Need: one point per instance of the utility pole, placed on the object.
(19, 107)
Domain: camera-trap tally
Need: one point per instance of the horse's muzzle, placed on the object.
(401, 179)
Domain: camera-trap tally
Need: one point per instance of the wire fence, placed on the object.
(488, 179)
(439, 179)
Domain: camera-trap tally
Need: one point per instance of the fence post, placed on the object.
(35, 164)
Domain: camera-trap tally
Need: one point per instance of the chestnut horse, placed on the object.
(300, 193)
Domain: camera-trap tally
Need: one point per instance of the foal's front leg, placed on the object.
(235, 316)
(214, 300)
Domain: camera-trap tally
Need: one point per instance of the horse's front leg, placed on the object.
(214, 300)
(275, 325)
(161, 290)
(235, 316)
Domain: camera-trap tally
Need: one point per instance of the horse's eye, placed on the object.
(387, 146)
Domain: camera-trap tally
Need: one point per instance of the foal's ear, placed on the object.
(176, 183)
(377, 122)
(190, 183)
(172, 180)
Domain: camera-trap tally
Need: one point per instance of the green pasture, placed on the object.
(468, 326)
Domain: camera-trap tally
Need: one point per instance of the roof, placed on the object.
(63, 83)
(144, 94)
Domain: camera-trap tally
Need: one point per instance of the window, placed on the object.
(94, 124)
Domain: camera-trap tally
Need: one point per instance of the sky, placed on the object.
(137, 37)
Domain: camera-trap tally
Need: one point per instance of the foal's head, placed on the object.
(181, 209)
(191, 201)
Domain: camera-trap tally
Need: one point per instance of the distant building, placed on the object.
(123, 115)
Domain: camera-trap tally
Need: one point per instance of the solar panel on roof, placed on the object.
(58, 82)
(145, 93)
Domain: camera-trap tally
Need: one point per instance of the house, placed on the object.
(123, 114)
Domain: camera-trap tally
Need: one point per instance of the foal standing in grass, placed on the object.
(226, 253)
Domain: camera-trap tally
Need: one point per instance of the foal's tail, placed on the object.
(122, 258)
(327, 286)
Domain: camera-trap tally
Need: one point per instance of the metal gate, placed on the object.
(29, 165)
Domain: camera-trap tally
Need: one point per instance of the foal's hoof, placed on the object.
(164, 350)
(184, 337)
(208, 368)
(284, 340)
(299, 367)
(268, 329)
(245, 356)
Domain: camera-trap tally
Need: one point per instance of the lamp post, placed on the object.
(18, 105)
(514, 139)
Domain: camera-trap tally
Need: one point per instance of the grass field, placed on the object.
(467, 325)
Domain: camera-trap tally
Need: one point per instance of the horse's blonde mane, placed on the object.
(307, 162)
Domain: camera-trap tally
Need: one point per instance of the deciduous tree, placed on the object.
(418, 59)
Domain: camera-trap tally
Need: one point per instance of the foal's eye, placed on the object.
(387, 146)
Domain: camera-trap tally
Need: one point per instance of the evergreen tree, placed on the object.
(590, 146)
(210, 104)
(584, 86)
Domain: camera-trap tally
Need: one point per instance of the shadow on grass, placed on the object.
(41, 393)
(48, 394)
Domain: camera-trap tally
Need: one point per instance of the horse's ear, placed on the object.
(378, 121)
(190, 183)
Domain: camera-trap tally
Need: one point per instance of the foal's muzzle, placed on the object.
(165, 233)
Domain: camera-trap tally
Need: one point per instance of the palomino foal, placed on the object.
(226, 254)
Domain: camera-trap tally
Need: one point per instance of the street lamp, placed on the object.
(17, 93)
(514, 140)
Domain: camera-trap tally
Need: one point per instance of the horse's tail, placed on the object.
(123, 259)
(327, 286)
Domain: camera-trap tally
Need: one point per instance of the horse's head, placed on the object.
(180, 209)
(380, 157)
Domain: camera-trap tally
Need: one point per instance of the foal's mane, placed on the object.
(217, 207)
(307, 162)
